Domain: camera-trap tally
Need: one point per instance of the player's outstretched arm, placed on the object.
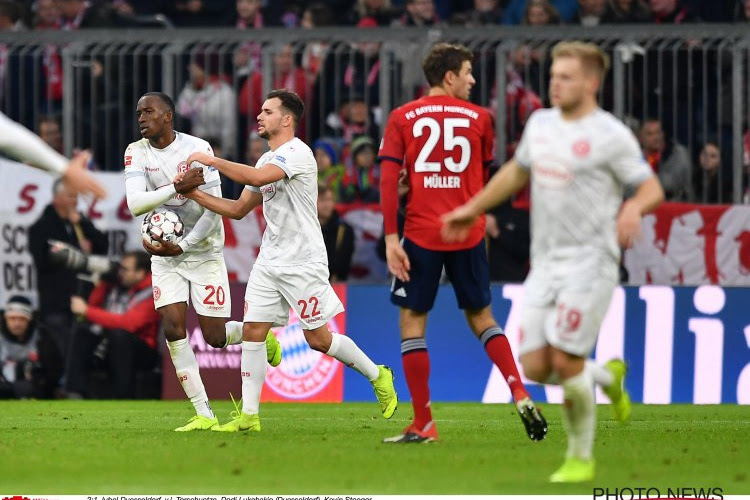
(647, 197)
(457, 223)
(238, 172)
(234, 209)
(19, 142)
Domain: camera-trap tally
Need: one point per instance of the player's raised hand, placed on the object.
(163, 249)
(628, 225)
(80, 179)
(187, 181)
(398, 261)
(457, 223)
(200, 157)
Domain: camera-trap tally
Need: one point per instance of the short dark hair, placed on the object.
(290, 101)
(142, 260)
(444, 57)
(163, 98)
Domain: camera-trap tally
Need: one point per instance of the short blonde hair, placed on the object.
(591, 55)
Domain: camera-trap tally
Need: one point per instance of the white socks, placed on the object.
(579, 415)
(601, 376)
(189, 376)
(345, 350)
(253, 370)
(234, 332)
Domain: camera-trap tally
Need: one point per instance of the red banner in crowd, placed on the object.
(686, 244)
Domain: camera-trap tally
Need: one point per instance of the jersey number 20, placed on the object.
(450, 142)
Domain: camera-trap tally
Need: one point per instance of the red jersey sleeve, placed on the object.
(391, 157)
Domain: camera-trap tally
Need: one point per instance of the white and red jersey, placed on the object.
(445, 144)
(290, 207)
(159, 168)
(579, 170)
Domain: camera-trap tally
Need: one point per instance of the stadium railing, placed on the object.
(694, 78)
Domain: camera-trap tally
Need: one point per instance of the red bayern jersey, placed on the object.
(445, 145)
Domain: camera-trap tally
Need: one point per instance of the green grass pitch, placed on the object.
(109, 447)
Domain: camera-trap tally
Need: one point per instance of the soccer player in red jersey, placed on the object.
(444, 144)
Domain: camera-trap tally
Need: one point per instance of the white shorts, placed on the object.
(205, 282)
(565, 310)
(271, 291)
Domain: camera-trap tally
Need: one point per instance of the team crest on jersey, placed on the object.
(268, 191)
(303, 372)
(157, 293)
(581, 148)
(182, 167)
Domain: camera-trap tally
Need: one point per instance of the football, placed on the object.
(163, 223)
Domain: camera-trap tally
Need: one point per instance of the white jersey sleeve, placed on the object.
(523, 151)
(628, 163)
(292, 159)
(19, 142)
(139, 198)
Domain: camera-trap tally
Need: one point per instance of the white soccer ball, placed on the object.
(163, 223)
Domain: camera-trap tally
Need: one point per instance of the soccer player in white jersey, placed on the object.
(292, 267)
(579, 159)
(16, 141)
(194, 269)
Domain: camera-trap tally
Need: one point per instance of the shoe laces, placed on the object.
(237, 412)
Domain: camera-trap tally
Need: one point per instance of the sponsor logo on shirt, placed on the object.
(280, 158)
(268, 191)
(551, 173)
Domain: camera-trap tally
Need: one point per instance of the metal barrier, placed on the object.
(693, 78)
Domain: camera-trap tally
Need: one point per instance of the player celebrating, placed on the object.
(292, 267)
(579, 159)
(445, 145)
(194, 269)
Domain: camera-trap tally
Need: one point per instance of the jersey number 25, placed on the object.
(450, 142)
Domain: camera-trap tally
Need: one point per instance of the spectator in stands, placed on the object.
(337, 235)
(46, 15)
(353, 119)
(205, 100)
(256, 147)
(361, 182)
(626, 11)
(742, 11)
(285, 75)
(49, 132)
(330, 170)
(484, 13)
(540, 13)
(247, 14)
(589, 13)
(515, 11)
(61, 221)
(187, 13)
(21, 375)
(711, 185)
(314, 16)
(122, 329)
(672, 12)
(380, 11)
(669, 160)
(10, 16)
(419, 13)
(78, 14)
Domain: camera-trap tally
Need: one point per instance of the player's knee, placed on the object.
(173, 331)
(216, 339)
